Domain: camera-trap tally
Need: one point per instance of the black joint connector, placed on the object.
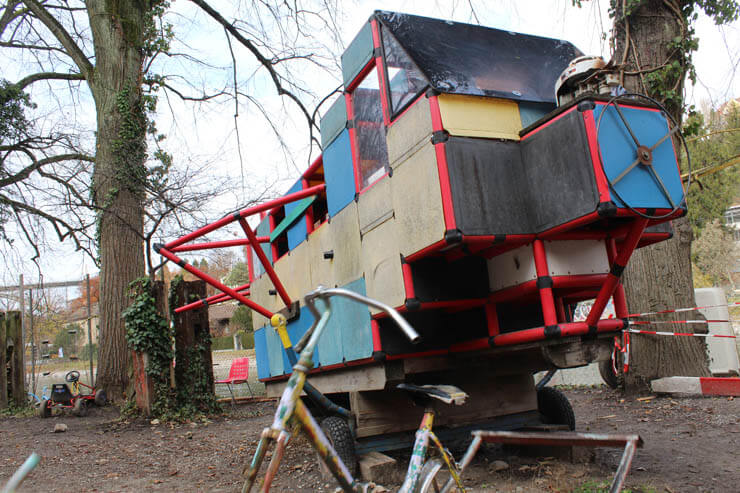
(390, 171)
(586, 106)
(379, 355)
(616, 270)
(544, 282)
(499, 239)
(413, 304)
(349, 124)
(329, 254)
(182, 263)
(157, 247)
(453, 236)
(403, 259)
(684, 211)
(205, 302)
(592, 331)
(492, 341)
(440, 136)
(357, 196)
(650, 211)
(552, 331)
(272, 292)
(377, 52)
(431, 92)
(236, 215)
(606, 209)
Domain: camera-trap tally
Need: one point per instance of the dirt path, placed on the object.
(690, 445)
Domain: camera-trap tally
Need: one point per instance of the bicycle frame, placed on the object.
(292, 415)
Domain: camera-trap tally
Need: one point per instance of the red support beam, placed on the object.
(266, 264)
(217, 244)
(618, 265)
(544, 282)
(212, 300)
(214, 282)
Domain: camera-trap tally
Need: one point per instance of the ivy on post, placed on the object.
(3, 374)
(150, 338)
(17, 367)
(194, 368)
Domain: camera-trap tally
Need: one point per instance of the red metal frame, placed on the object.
(444, 176)
(547, 300)
(266, 264)
(602, 184)
(382, 82)
(213, 300)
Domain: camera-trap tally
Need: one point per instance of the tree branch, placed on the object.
(74, 51)
(26, 81)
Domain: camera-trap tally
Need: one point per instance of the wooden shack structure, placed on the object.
(452, 187)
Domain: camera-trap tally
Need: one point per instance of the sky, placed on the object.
(205, 133)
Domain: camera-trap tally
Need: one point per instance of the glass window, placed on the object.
(368, 113)
(405, 80)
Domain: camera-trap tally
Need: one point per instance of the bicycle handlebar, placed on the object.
(325, 293)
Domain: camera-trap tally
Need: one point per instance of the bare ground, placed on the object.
(691, 444)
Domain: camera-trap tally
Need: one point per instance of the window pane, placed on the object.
(370, 130)
(405, 80)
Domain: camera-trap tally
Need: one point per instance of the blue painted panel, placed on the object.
(296, 233)
(638, 188)
(260, 350)
(339, 174)
(358, 54)
(531, 112)
(298, 327)
(357, 337)
(263, 229)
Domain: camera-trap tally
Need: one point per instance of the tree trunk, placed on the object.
(659, 276)
(117, 27)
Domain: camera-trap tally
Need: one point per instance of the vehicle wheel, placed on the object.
(555, 408)
(101, 398)
(429, 479)
(80, 408)
(45, 409)
(337, 431)
(612, 379)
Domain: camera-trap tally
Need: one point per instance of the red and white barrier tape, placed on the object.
(683, 334)
(679, 310)
(652, 322)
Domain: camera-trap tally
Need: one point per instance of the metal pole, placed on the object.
(89, 330)
(33, 341)
(21, 297)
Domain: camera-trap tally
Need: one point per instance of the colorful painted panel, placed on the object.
(471, 116)
(297, 230)
(334, 121)
(339, 174)
(347, 336)
(638, 187)
(381, 261)
(531, 112)
(410, 131)
(294, 272)
(358, 54)
(260, 351)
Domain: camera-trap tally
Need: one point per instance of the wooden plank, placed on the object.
(392, 411)
(345, 231)
(17, 368)
(373, 205)
(409, 132)
(366, 377)
(3, 374)
(381, 262)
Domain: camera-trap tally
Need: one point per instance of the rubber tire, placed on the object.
(101, 398)
(45, 410)
(80, 408)
(340, 436)
(606, 370)
(555, 407)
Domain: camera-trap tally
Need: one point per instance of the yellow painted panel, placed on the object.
(345, 229)
(381, 262)
(474, 116)
(320, 241)
(417, 201)
(374, 206)
(294, 272)
(409, 131)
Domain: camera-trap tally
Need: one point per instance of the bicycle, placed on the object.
(292, 415)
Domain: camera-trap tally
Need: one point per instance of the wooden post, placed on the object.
(192, 343)
(3, 373)
(22, 301)
(17, 370)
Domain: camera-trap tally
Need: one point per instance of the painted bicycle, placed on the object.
(292, 414)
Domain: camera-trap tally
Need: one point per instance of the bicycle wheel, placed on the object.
(429, 477)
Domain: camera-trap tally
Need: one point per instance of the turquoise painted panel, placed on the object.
(339, 174)
(358, 54)
(296, 226)
(275, 353)
(638, 188)
(330, 344)
(263, 229)
(260, 350)
(531, 112)
(357, 337)
(298, 327)
(334, 121)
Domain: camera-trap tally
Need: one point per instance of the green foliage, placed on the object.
(238, 276)
(714, 253)
(242, 318)
(222, 343)
(13, 103)
(89, 352)
(66, 340)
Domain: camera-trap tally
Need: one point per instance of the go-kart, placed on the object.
(63, 398)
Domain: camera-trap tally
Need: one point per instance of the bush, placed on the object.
(219, 343)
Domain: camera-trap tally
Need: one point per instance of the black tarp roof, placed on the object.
(468, 59)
